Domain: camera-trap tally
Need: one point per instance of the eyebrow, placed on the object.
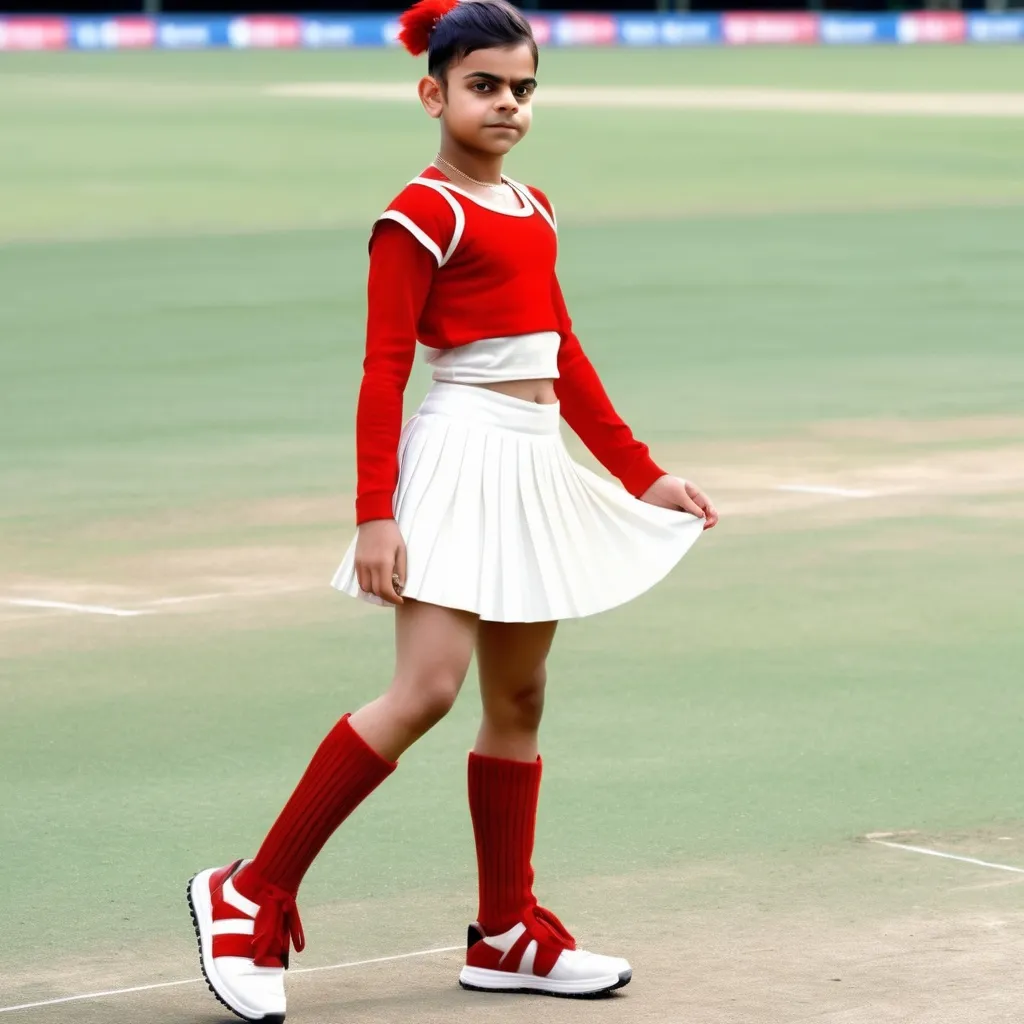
(498, 80)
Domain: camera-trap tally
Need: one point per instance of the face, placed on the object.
(486, 101)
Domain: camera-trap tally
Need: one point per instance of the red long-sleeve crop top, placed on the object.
(448, 270)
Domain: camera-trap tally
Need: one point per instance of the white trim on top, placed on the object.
(460, 216)
(527, 192)
(417, 232)
(526, 210)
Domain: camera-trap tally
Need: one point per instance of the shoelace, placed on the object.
(277, 924)
(541, 922)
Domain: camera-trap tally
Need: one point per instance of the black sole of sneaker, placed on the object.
(276, 1018)
(624, 979)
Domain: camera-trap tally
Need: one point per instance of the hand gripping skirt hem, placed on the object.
(500, 521)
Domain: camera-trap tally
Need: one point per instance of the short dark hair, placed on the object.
(476, 25)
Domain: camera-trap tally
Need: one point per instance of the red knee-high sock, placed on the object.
(503, 804)
(344, 771)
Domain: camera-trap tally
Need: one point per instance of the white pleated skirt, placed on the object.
(499, 520)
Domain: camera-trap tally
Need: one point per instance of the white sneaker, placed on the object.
(243, 946)
(539, 955)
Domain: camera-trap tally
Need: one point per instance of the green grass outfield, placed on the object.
(773, 299)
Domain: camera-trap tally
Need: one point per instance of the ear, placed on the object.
(431, 94)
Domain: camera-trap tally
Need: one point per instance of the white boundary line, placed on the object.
(153, 607)
(164, 602)
(440, 949)
(198, 981)
(97, 995)
(947, 856)
(835, 492)
(378, 960)
(148, 607)
(67, 606)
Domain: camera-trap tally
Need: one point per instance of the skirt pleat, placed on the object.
(498, 520)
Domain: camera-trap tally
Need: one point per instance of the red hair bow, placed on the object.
(419, 21)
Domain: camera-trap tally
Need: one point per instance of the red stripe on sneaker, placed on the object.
(552, 938)
(485, 957)
(546, 958)
(217, 879)
(237, 945)
(512, 960)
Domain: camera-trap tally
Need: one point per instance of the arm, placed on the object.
(401, 272)
(587, 408)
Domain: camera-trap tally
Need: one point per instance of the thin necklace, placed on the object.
(483, 184)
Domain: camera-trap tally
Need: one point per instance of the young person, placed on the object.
(473, 522)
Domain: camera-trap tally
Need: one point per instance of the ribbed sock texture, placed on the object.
(503, 799)
(344, 771)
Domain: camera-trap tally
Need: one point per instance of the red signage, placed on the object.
(750, 29)
(33, 34)
(932, 27)
(541, 29)
(134, 33)
(265, 32)
(586, 30)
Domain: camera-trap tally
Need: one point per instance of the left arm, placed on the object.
(587, 408)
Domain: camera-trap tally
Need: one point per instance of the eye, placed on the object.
(524, 91)
(482, 86)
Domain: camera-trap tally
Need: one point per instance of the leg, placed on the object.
(245, 916)
(504, 767)
(517, 945)
(512, 659)
(433, 650)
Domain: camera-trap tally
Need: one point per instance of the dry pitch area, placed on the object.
(800, 951)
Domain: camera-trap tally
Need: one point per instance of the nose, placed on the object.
(506, 102)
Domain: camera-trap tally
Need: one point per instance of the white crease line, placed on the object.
(948, 856)
(148, 608)
(265, 592)
(378, 960)
(835, 492)
(165, 601)
(196, 981)
(66, 606)
(97, 995)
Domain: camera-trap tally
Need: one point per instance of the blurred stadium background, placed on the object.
(797, 260)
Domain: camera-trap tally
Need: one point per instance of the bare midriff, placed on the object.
(540, 391)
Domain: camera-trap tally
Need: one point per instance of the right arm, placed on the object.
(401, 273)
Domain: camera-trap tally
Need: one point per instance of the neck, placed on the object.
(481, 166)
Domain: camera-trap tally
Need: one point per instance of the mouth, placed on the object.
(503, 127)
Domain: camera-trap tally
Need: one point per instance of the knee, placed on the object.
(528, 705)
(519, 705)
(429, 696)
